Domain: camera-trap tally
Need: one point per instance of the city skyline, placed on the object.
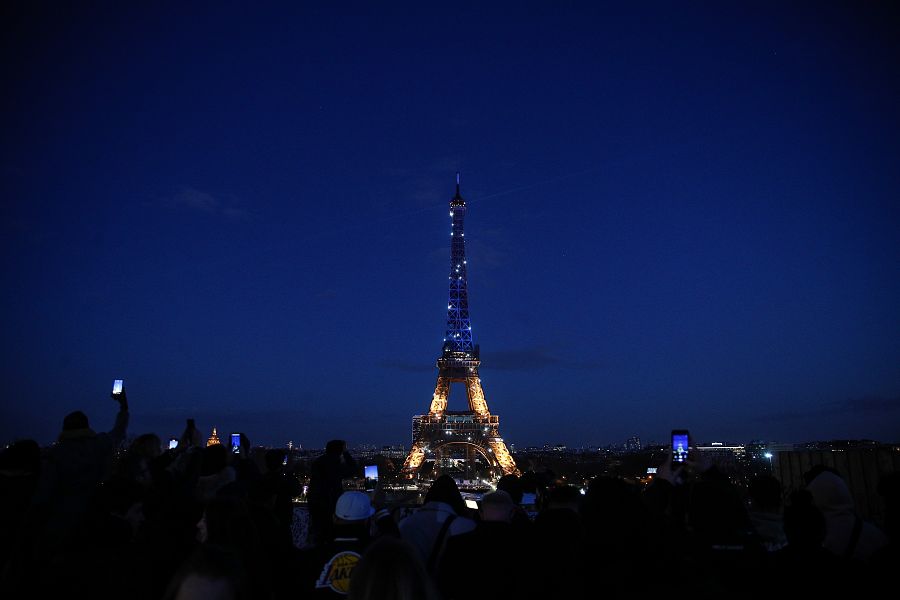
(678, 217)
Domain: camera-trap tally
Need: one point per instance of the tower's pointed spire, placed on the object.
(457, 187)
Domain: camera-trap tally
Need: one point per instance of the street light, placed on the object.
(769, 456)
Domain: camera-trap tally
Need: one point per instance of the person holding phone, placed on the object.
(680, 446)
(74, 468)
(325, 487)
(190, 438)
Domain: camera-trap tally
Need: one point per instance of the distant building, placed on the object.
(724, 456)
(758, 458)
(213, 439)
(394, 451)
(633, 444)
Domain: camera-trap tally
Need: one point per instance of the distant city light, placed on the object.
(768, 455)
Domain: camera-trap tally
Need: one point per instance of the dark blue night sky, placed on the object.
(680, 215)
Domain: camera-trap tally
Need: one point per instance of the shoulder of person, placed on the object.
(462, 525)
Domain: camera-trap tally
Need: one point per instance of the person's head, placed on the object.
(816, 471)
(146, 446)
(191, 437)
(213, 459)
(497, 506)
(512, 486)
(889, 490)
(804, 524)
(227, 522)
(75, 421)
(391, 569)
(275, 460)
(444, 490)
(830, 494)
(210, 573)
(532, 483)
(765, 493)
(353, 508)
(566, 497)
(335, 447)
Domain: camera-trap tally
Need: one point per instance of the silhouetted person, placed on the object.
(804, 568)
(20, 468)
(283, 486)
(325, 487)
(440, 517)
(884, 561)
(616, 524)
(191, 437)
(390, 569)
(512, 485)
(227, 522)
(73, 469)
(495, 543)
(764, 493)
(210, 573)
(722, 543)
(246, 470)
(215, 472)
(142, 452)
(558, 546)
(846, 533)
(326, 569)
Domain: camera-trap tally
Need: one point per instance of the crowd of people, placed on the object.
(205, 522)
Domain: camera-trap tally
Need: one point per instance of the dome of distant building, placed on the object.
(213, 439)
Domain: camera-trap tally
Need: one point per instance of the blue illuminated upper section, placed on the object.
(458, 337)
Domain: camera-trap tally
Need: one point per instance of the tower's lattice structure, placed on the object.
(476, 431)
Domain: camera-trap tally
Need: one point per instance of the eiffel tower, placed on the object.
(475, 431)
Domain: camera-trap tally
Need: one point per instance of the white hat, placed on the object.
(353, 506)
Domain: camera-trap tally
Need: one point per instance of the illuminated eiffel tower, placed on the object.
(476, 432)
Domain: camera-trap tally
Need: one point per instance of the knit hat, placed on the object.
(353, 506)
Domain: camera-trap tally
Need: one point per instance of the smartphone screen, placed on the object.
(117, 386)
(371, 474)
(472, 504)
(528, 499)
(173, 443)
(235, 443)
(679, 446)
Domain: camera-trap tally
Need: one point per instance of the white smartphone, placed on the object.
(117, 386)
